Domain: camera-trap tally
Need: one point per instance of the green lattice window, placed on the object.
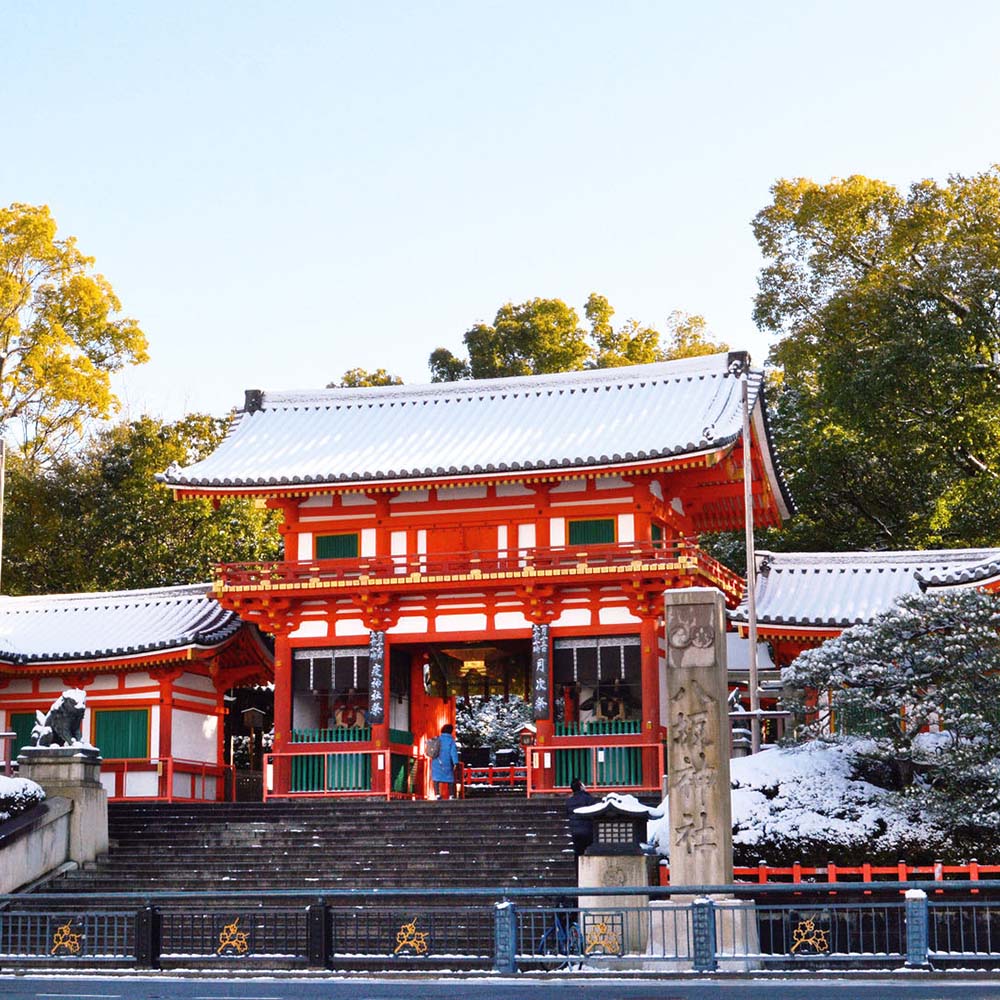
(122, 733)
(595, 532)
(656, 533)
(21, 723)
(337, 546)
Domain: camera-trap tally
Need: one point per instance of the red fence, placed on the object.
(831, 873)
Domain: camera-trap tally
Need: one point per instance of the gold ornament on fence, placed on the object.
(808, 935)
(66, 937)
(232, 937)
(408, 938)
(601, 940)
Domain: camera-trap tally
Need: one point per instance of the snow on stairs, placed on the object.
(334, 843)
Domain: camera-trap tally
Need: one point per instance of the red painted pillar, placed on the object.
(650, 672)
(163, 751)
(282, 712)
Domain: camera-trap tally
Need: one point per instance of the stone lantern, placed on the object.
(619, 826)
(616, 858)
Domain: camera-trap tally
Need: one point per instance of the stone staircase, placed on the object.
(316, 845)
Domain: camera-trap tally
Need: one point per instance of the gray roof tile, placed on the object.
(585, 419)
(839, 589)
(59, 627)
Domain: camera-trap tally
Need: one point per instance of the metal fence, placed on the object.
(704, 928)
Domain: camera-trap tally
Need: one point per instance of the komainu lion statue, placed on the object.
(60, 727)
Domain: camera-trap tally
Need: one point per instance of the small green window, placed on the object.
(656, 534)
(21, 723)
(337, 546)
(122, 733)
(596, 532)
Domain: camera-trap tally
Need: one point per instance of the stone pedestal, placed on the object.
(611, 871)
(671, 937)
(73, 773)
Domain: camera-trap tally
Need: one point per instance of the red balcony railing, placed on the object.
(682, 558)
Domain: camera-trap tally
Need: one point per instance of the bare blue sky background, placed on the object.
(279, 192)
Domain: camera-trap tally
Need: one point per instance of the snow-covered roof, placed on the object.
(60, 627)
(606, 417)
(838, 589)
(981, 574)
(616, 804)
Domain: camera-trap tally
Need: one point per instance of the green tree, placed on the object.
(61, 336)
(98, 520)
(542, 336)
(887, 309)
(932, 660)
(690, 337)
(630, 344)
(357, 378)
(533, 338)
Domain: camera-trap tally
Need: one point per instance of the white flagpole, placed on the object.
(751, 569)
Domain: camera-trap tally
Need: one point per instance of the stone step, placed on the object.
(308, 846)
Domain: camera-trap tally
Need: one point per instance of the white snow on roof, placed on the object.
(979, 574)
(576, 419)
(834, 589)
(623, 803)
(117, 623)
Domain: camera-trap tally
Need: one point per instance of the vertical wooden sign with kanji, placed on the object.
(701, 843)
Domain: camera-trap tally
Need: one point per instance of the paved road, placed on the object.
(150, 988)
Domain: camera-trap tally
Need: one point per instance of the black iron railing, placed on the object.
(506, 929)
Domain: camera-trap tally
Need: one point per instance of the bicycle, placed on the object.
(563, 937)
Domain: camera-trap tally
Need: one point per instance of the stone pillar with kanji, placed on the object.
(701, 844)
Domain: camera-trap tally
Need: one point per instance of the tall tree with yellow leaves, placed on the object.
(61, 335)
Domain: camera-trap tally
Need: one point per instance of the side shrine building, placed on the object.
(155, 666)
(510, 537)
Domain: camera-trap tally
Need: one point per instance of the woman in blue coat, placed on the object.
(444, 764)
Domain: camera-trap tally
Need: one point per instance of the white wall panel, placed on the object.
(626, 527)
(557, 531)
(194, 736)
(460, 623)
(510, 619)
(141, 784)
(617, 616)
(315, 628)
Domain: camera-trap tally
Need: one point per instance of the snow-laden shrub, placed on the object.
(807, 803)
(18, 795)
(491, 722)
(931, 662)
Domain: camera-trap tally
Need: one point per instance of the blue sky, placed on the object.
(279, 192)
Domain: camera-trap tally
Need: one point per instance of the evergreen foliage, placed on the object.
(491, 722)
(887, 367)
(98, 520)
(921, 683)
(543, 336)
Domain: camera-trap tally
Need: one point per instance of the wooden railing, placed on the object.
(163, 772)
(603, 767)
(679, 556)
(844, 875)
(600, 727)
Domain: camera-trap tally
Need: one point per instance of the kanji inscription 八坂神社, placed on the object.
(701, 851)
